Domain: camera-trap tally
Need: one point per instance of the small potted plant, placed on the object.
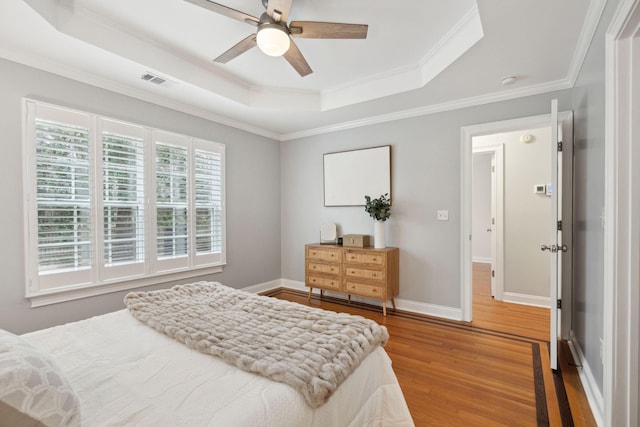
(380, 210)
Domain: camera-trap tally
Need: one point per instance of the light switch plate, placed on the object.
(443, 215)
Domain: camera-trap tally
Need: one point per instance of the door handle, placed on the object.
(554, 248)
(489, 229)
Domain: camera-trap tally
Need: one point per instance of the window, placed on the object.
(113, 205)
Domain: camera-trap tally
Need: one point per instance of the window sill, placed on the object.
(55, 296)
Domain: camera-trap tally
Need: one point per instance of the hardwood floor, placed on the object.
(493, 371)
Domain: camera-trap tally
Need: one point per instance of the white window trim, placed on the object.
(100, 284)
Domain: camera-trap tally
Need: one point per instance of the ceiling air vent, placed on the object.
(156, 79)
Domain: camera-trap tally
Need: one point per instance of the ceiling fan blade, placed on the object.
(237, 50)
(327, 30)
(226, 11)
(297, 61)
(281, 8)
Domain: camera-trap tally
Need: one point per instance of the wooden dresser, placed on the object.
(366, 272)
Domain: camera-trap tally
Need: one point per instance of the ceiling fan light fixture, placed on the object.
(273, 40)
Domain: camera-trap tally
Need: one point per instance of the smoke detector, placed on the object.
(509, 80)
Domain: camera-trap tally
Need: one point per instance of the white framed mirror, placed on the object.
(350, 175)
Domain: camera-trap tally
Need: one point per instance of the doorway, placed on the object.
(520, 128)
(519, 197)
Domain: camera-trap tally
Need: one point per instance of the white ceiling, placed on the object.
(419, 56)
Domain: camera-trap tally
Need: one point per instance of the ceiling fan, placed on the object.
(274, 34)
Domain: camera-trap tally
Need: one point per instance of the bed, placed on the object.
(120, 370)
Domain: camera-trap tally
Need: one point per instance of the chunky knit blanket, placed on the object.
(310, 349)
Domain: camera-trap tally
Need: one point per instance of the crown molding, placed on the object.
(72, 73)
(436, 108)
(592, 18)
(460, 38)
(75, 19)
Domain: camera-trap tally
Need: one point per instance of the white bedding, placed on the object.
(127, 374)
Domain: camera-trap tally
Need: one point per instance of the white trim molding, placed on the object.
(79, 292)
(263, 287)
(451, 313)
(589, 384)
(533, 300)
(622, 217)
(466, 140)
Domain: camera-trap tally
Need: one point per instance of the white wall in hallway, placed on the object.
(481, 208)
(527, 215)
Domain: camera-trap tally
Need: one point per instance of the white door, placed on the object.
(555, 247)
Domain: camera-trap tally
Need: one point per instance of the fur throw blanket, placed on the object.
(310, 349)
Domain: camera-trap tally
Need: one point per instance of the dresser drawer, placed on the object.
(363, 257)
(323, 282)
(364, 273)
(365, 290)
(316, 267)
(323, 254)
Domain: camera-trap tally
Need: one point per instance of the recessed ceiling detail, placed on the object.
(86, 21)
(419, 57)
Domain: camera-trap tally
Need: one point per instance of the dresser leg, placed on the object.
(321, 293)
(384, 308)
(349, 297)
(310, 290)
(393, 303)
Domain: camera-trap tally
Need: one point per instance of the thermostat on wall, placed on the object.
(540, 189)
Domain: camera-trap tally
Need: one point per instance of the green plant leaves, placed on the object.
(380, 208)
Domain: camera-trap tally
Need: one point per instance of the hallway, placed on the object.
(516, 319)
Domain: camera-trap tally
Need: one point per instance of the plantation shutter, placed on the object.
(62, 186)
(209, 201)
(172, 201)
(114, 205)
(123, 197)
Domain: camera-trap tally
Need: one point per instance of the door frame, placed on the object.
(622, 217)
(466, 161)
(497, 201)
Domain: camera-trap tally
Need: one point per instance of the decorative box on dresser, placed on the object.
(366, 272)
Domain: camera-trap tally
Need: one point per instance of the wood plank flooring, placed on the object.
(491, 372)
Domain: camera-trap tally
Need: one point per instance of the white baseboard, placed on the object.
(402, 304)
(534, 300)
(262, 287)
(481, 259)
(435, 310)
(589, 384)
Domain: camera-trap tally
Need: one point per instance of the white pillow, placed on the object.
(33, 391)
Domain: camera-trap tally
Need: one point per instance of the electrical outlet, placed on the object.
(443, 215)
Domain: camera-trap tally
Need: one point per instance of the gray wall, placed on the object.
(253, 192)
(426, 178)
(588, 262)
